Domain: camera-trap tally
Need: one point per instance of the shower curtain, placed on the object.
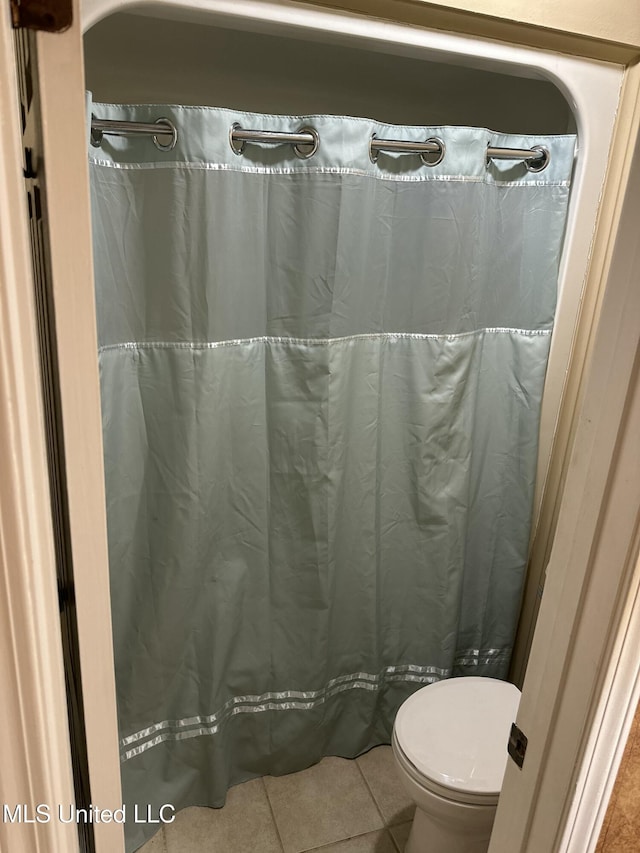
(321, 384)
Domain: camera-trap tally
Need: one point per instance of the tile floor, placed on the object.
(337, 806)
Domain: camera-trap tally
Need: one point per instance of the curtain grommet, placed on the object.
(539, 163)
(432, 158)
(237, 145)
(373, 155)
(170, 130)
(304, 150)
(96, 136)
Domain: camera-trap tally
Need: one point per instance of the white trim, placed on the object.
(345, 339)
(593, 557)
(305, 169)
(63, 124)
(609, 733)
(34, 736)
(620, 691)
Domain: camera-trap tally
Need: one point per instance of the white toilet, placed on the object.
(450, 747)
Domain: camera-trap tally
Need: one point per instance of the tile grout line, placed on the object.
(339, 841)
(327, 845)
(273, 814)
(375, 802)
(393, 839)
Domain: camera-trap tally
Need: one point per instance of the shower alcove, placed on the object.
(297, 59)
(292, 59)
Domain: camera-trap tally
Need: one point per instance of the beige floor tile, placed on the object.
(382, 778)
(244, 825)
(400, 834)
(155, 844)
(326, 803)
(372, 842)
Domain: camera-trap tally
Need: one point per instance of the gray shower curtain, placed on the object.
(321, 386)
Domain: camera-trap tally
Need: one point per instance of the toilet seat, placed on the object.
(452, 737)
(449, 794)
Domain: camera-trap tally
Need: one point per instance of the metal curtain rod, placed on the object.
(164, 132)
(306, 140)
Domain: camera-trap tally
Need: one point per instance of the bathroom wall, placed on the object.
(620, 831)
(620, 23)
(130, 58)
(573, 26)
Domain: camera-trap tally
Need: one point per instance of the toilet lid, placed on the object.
(455, 732)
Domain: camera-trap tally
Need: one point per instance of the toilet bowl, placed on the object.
(450, 748)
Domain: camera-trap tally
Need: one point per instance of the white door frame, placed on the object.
(574, 694)
(612, 723)
(64, 145)
(34, 735)
(615, 707)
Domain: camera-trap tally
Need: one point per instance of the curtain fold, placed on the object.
(321, 385)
